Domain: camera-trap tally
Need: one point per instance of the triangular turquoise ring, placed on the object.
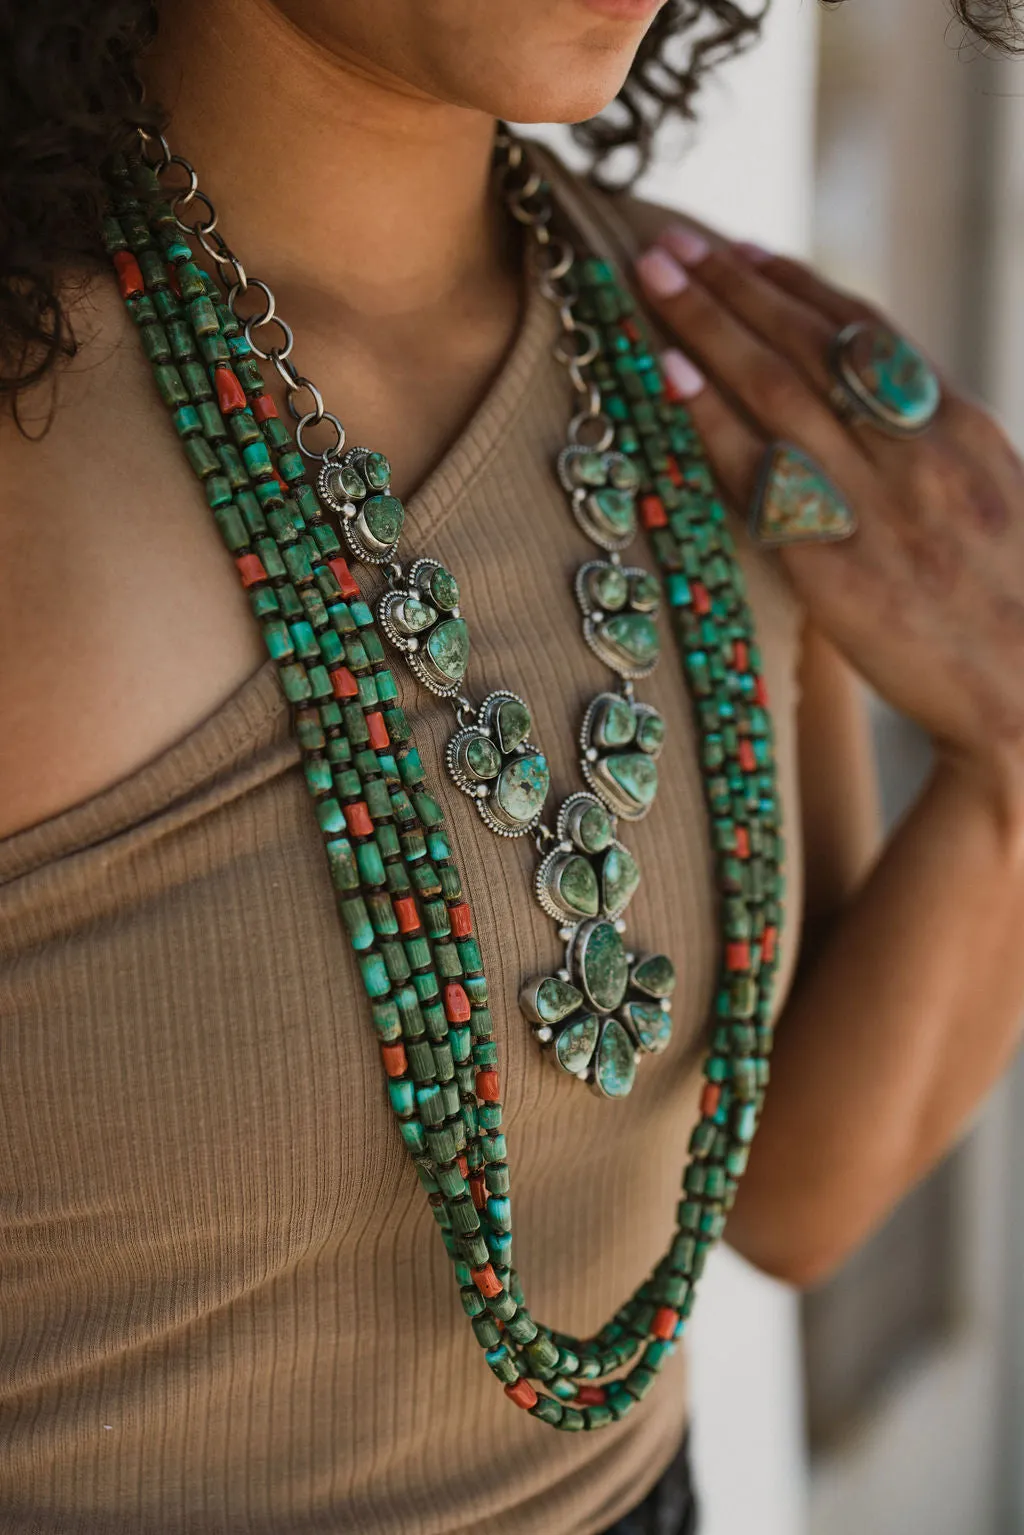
(795, 501)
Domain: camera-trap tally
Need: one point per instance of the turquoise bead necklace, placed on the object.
(399, 892)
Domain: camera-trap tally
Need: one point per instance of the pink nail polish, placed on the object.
(755, 254)
(660, 274)
(687, 244)
(684, 380)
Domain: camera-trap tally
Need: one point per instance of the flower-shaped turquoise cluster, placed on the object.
(606, 1007)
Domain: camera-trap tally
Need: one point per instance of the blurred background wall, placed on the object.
(891, 1402)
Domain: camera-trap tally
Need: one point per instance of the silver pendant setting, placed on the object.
(499, 767)
(356, 487)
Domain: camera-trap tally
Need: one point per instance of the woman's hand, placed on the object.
(926, 599)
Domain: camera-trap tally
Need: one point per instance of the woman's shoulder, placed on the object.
(622, 220)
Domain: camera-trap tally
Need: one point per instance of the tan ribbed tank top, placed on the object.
(224, 1304)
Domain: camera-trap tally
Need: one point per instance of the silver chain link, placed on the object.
(553, 259)
(528, 201)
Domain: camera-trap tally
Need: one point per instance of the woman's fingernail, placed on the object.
(683, 378)
(755, 254)
(687, 244)
(660, 274)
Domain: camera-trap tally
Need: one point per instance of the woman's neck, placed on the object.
(330, 177)
(367, 207)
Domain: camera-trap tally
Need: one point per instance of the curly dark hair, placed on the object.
(69, 99)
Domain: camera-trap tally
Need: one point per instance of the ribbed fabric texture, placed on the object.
(224, 1305)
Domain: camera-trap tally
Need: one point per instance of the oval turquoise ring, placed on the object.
(880, 377)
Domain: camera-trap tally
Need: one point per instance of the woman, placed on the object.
(225, 1305)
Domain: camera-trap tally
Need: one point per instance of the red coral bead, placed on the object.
(408, 916)
(461, 919)
(591, 1396)
(230, 394)
(379, 738)
(250, 568)
(343, 683)
(263, 408)
(344, 577)
(664, 1324)
(675, 474)
(478, 1189)
(710, 1098)
(701, 598)
(652, 512)
(456, 1003)
(486, 1281)
(742, 842)
(395, 1063)
(761, 692)
(488, 1086)
(740, 655)
(748, 762)
(769, 941)
(522, 1393)
(737, 956)
(358, 818)
(129, 275)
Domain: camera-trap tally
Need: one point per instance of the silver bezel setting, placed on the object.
(593, 618)
(350, 514)
(590, 768)
(860, 403)
(485, 725)
(579, 495)
(412, 586)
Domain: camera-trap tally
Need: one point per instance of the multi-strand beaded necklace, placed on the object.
(633, 455)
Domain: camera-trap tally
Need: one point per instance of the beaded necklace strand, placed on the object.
(399, 892)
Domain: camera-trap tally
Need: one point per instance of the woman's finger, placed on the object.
(778, 399)
(734, 449)
(792, 327)
(801, 283)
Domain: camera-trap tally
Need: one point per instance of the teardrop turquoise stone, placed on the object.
(595, 829)
(608, 588)
(637, 777)
(645, 592)
(620, 879)
(513, 724)
(603, 968)
(615, 724)
(655, 975)
(448, 647)
(653, 1025)
(650, 737)
(575, 887)
(634, 637)
(384, 517)
(377, 470)
(575, 1044)
(589, 469)
(614, 510)
(444, 589)
(411, 616)
(624, 473)
(523, 787)
(483, 758)
(615, 1066)
(556, 999)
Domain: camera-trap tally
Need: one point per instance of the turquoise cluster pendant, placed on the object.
(604, 1008)
(494, 762)
(421, 617)
(357, 488)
